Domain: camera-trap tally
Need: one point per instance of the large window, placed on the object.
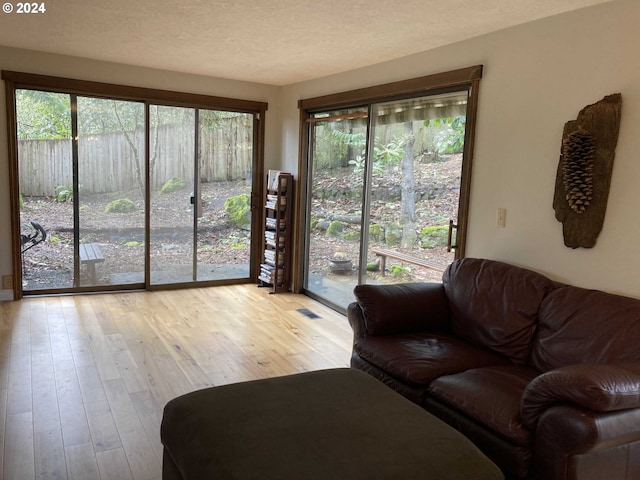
(388, 173)
(116, 187)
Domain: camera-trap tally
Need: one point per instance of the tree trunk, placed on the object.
(408, 214)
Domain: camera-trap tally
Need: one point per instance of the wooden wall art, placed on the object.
(584, 171)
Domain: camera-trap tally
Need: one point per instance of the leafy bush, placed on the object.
(172, 185)
(63, 193)
(122, 205)
(451, 139)
(435, 236)
(398, 270)
(238, 210)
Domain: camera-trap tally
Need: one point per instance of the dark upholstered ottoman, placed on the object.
(325, 425)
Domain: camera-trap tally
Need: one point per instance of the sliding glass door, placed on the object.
(201, 179)
(46, 187)
(82, 184)
(384, 193)
(120, 194)
(337, 160)
(109, 192)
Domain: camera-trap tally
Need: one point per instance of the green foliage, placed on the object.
(21, 202)
(434, 236)
(351, 235)
(335, 228)
(451, 139)
(376, 233)
(398, 270)
(43, 115)
(122, 205)
(373, 267)
(133, 243)
(63, 193)
(238, 210)
(357, 139)
(172, 185)
(393, 235)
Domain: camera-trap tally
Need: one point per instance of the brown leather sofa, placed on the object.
(544, 378)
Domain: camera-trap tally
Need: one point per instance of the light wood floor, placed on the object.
(84, 379)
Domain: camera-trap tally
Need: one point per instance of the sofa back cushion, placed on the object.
(402, 308)
(495, 304)
(586, 326)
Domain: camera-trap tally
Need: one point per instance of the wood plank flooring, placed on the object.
(84, 379)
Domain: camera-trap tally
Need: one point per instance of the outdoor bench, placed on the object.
(90, 254)
(383, 253)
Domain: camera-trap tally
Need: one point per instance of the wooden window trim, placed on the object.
(126, 92)
(378, 93)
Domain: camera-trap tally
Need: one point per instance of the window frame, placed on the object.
(454, 80)
(20, 80)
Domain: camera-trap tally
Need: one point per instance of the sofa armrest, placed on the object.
(356, 320)
(575, 443)
(596, 387)
(399, 308)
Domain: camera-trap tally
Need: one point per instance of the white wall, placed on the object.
(536, 78)
(71, 67)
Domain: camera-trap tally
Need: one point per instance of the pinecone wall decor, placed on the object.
(584, 171)
(578, 150)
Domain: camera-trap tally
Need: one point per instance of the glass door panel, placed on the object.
(110, 192)
(415, 186)
(172, 173)
(335, 198)
(225, 163)
(45, 172)
(201, 169)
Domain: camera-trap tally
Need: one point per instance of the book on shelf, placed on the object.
(271, 260)
(270, 274)
(273, 179)
(272, 222)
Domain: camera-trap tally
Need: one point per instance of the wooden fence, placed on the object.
(109, 163)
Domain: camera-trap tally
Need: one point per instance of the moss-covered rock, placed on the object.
(172, 185)
(393, 235)
(335, 228)
(122, 205)
(351, 235)
(435, 236)
(238, 210)
(376, 232)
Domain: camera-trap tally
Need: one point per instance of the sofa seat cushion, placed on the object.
(491, 396)
(419, 358)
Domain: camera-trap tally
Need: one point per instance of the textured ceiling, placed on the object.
(274, 42)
